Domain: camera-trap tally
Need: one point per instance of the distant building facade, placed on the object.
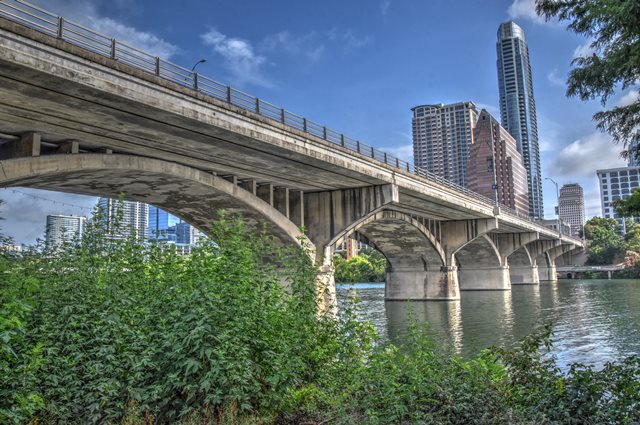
(442, 136)
(494, 154)
(518, 106)
(571, 208)
(553, 224)
(169, 229)
(162, 225)
(125, 219)
(63, 229)
(632, 160)
(615, 184)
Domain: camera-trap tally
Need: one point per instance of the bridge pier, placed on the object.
(548, 273)
(415, 284)
(524, 275)
(490, 278)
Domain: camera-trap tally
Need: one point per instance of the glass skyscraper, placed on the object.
(162, 225)
(518, 106)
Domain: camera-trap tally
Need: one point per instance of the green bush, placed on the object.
(109, 331)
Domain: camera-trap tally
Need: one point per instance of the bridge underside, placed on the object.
(105, 128)
(190, 194)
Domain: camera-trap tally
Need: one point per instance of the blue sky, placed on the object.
(357, 67)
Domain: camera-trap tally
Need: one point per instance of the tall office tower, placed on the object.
(185, 234)
(518, 106)
(615, 184)
(442, 135)
(162, 225)
(63, 229)
(125, 218)
(632, 160)
(571, 207)
(494, 155)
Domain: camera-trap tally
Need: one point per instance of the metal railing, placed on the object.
(46, 22)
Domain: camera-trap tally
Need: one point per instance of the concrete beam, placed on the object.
(29, 145)
(70, 146)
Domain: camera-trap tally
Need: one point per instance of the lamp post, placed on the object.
(193, 68)
(558, 204)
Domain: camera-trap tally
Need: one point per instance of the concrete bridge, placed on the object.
(83, 113)
(572, 272)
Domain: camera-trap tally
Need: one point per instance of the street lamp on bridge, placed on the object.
(557, 205)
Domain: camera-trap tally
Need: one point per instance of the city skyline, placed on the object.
(359, 75)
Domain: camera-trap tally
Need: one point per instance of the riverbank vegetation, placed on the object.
(368, 266)
(109, 331)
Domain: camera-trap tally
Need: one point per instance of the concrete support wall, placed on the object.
(524, 275)
(547, 273)
(484, 278)
(418, 284)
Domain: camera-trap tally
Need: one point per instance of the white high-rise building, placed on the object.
(442, 136)
(63, 229)
(571, 208)
(125, 218)
(615, 184)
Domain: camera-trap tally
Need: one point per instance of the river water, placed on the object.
(594, 321)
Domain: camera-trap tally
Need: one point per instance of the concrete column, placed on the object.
(548, 273)
(524, 275)
(418, 284)
(484, 278)
(296, 206)
(326, 290)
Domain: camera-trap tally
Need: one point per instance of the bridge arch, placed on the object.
(402, 239)
(480, 266)
(416, 257)
(189, 193)
(520, 258)
(522, 267)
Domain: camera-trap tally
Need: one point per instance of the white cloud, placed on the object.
(313, 45)
(239, 57)
(628, 98)
(86, 14)
(525, 9)
(25, 216)
(347, 38)
(308, 45)
(144, 41)
(586, 155)
(583, 50)
(555, 79)
(384, 7)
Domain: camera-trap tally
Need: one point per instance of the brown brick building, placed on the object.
(511, 175)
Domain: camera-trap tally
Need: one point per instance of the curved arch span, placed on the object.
(402, 239)
(188, 193)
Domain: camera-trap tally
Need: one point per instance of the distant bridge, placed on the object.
(81, 112)
(569, 272)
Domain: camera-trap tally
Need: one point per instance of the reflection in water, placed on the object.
(594, 321)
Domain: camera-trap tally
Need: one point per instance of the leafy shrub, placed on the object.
(109, 331)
